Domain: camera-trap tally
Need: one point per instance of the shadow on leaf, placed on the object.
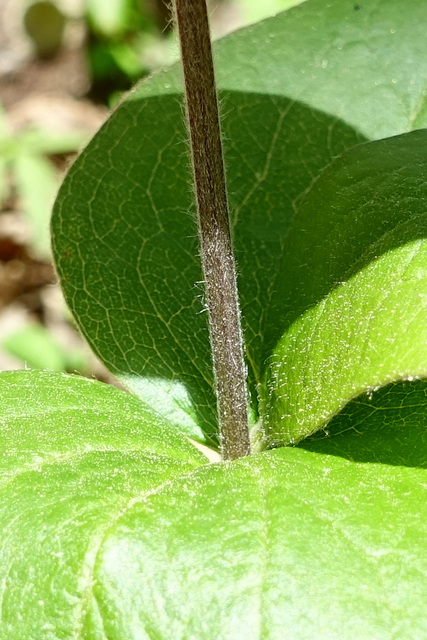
(387, 426)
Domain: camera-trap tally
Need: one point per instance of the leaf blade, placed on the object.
(352, 304)
(243, 567)
(127, 542)
(74, 453)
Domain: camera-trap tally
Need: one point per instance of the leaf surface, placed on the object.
(288, 543)
(126, 248)
(75, 453)
(362, 62)
(353, 293)
(114, 527)
(386, 426)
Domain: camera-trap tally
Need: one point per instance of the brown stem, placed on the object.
(214, 228)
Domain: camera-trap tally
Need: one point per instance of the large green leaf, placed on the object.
(114, 527)
(297, 90)
(75, 454)
(353, 293)
(290, 544)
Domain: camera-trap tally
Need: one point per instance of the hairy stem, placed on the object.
(214, 227)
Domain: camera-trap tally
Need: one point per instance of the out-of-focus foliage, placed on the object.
(127, 39)
(130, 38)
(35, 346)
(26, 171)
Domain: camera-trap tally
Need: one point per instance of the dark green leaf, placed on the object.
(126, 247)
(125, 239)
(386, 426)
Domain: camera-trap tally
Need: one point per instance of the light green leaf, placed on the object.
(288, 544)
(114, 526)
(37, 183)
(170, 399)
(351, 302)
(43, 142)
(4, 179)
(75, 455)
(4, 156)
(4, 127)
(109, 19)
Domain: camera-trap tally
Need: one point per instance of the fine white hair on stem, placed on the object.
(219, 272)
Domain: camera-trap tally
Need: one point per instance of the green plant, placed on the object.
(37, 348)
(114, 524)
(25, 168)
(128, 38)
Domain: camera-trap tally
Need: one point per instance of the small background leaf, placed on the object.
(109, 19)
(37, 184)
(363, 63)
(38, 349)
